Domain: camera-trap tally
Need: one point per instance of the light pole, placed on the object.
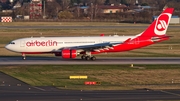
(44, 9)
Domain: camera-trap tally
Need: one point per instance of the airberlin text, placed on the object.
(41, 43)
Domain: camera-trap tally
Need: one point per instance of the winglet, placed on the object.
(101, 34)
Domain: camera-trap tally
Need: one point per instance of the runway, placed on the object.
(36, 60)
(12, 89)
(78, 27)
(68, 95)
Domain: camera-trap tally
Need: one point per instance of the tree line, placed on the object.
(70, 9)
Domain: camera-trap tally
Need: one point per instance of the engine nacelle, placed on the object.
(69, 53)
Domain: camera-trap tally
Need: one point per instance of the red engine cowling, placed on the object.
(68, 53)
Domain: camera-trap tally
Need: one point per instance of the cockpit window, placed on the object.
(12, 43)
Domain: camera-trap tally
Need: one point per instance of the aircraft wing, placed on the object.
(96, 47)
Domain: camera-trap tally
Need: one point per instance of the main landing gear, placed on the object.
(87, 57)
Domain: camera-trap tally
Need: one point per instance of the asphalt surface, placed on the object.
(35, 60)
(78, 27)
(12, 89)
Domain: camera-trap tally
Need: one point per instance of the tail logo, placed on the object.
(162, 24)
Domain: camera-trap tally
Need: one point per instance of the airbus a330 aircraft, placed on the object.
(71, 47)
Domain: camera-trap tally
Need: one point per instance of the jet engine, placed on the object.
(69, 53)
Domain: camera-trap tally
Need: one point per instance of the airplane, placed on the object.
(71, 47)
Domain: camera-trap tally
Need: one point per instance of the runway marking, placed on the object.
(170, 93)
(39, 88)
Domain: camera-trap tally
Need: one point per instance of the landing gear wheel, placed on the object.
(24, 58)
(88, 58)
(83, 57)
(93, 58)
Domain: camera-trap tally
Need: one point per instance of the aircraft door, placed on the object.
(100, 41)
(137, 41)
(22, 43)
(134, 41)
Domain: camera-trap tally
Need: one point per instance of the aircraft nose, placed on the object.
(7, 47)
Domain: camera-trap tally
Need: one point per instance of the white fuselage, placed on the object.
(54, 44)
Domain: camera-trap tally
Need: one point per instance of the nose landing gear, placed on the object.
(23, 56)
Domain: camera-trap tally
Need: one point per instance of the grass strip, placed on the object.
(112, 77)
